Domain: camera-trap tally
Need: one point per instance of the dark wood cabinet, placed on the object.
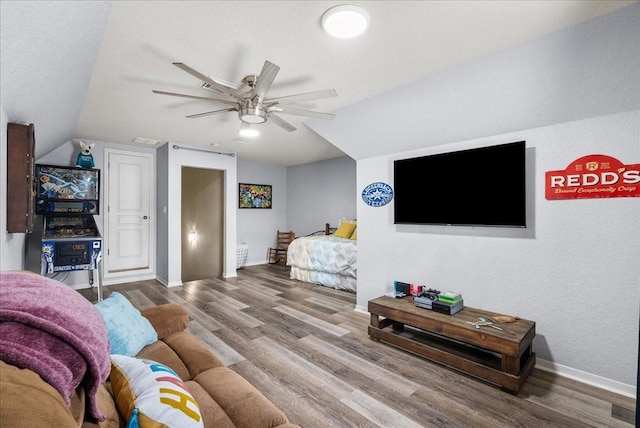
(20, 186)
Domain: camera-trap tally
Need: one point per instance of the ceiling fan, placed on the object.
(250, 100)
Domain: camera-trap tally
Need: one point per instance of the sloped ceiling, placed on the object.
(588, 70)
(47, 53)
(86, 69)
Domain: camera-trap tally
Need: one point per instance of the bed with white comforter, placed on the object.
(325, 260)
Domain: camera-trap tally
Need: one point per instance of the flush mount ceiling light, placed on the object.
(345, 21)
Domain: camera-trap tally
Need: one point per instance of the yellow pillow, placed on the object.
(344, 230)
(354, 235)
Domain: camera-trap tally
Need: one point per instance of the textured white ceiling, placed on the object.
(45, 73)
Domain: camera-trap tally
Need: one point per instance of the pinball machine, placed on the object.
(66, 199)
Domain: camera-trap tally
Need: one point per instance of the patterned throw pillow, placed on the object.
(150, 395)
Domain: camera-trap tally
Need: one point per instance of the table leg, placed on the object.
(375, 320)
(511, 364)
(398, 326)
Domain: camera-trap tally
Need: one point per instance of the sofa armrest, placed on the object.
(167, 319)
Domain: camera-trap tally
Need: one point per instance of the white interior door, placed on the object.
(128, 211)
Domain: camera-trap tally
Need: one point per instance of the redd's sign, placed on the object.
(594, 176)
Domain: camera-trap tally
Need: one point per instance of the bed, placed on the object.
(327, 258)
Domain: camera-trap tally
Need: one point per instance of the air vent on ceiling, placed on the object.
(147, 142)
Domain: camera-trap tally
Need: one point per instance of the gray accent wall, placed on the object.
(305, 197)
(162, 210)
(321, 192)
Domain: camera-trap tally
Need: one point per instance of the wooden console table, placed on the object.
(501, 357)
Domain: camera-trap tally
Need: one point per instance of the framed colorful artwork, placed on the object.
(254, 195)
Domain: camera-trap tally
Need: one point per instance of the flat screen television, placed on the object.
(67, 190)
(477, 187)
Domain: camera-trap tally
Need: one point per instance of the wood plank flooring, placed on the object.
(306, 349)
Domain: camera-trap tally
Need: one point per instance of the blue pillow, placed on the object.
(127, 329)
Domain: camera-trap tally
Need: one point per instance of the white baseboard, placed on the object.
(168, 284)
(123, 279)
(571, 373)
(361, 309)
(588, 378)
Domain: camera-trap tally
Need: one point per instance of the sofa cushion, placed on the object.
(242, 402)
(151, 394)
(193, 353)
(162, 353)
(212, 414)
(184, 353)
(27, 401)
(127, 329)
(167, 319)
(107, 406)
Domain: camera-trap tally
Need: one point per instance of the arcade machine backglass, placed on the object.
(68, 198)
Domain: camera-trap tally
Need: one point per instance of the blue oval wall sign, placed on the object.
(377, 194)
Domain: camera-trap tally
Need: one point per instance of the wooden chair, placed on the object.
(279, 252)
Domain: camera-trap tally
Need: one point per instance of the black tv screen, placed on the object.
(477, 187)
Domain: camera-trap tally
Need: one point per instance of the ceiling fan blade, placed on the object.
(195, 97)
(265, 79)
(307, 96)
(214, 85)
(210, 113)
(282, 123)
(302, 112)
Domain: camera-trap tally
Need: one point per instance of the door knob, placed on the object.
(145, 217)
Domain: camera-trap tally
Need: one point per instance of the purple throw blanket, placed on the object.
(49, 328)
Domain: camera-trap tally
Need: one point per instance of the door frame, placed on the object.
(136, 274)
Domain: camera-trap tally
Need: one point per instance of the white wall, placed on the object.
(11, 244)
(66, 155)
(575, 270)
(177, 158)
(577, 277)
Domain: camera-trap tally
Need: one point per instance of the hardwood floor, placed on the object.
(308, 351)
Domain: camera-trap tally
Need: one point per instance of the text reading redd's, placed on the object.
(594, 176)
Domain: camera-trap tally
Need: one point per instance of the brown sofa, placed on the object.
(224, 397)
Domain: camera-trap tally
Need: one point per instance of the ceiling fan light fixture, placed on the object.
(345, 21)
(252, 115)
(248, 133)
